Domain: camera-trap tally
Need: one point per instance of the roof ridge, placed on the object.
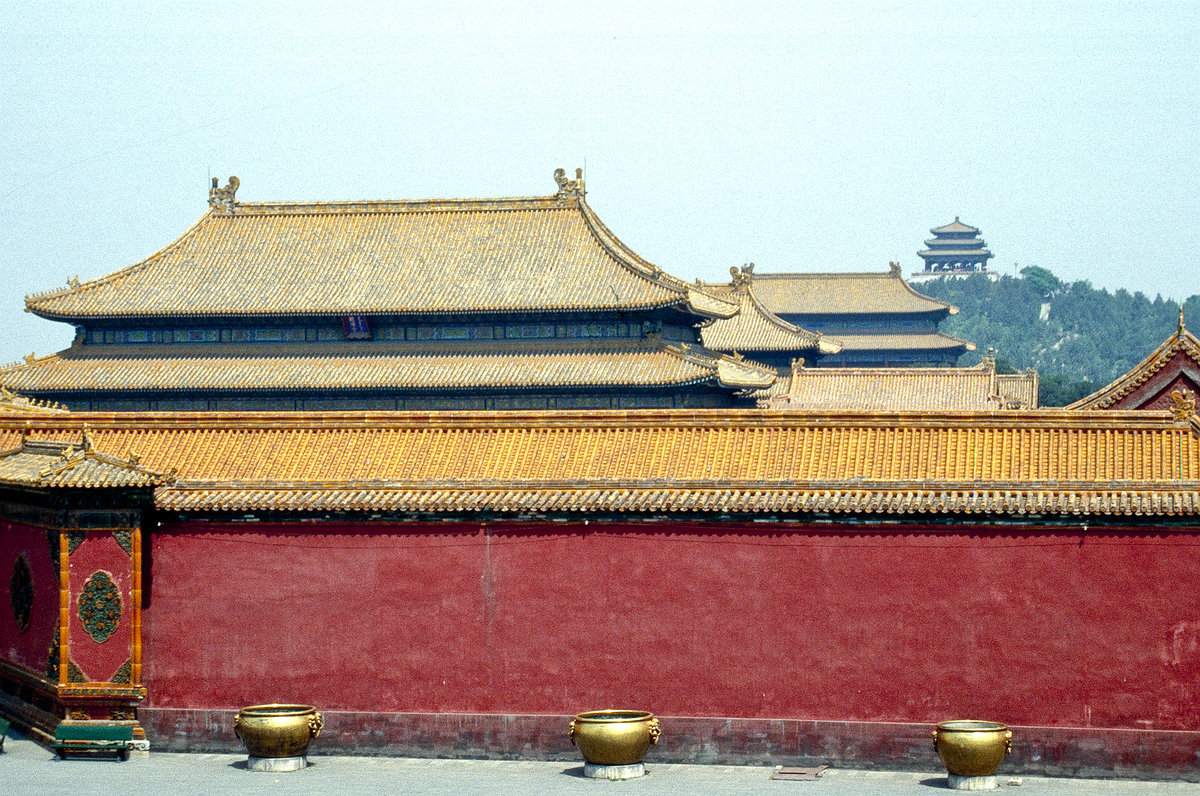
(1025, 420)
(951, 309)
(367, 206)
(31, 301)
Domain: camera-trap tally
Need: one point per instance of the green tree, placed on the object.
(1078, 338)
(1042, 280)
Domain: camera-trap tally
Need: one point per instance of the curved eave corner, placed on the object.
(36, 302)
(740, 375)
(828, 345)
(710, 306)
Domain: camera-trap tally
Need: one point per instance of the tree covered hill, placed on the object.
(1076, 337)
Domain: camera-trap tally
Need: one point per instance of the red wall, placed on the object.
(754, 620)
(29, 648)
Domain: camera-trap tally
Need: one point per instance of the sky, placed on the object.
(798, 136)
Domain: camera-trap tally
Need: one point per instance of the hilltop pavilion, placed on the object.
(955, 249)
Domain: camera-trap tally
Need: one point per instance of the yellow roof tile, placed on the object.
(924, 341)
(648, 363)
(54, 464)
(1056, 462)
(395, 257)
(755, 328)
(843, 293)
(903, 389)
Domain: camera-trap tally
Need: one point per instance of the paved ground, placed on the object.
(26, 768)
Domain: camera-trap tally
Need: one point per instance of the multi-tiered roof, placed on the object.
(955, 248)
(877, 318)
(388, 304)
(757, 331)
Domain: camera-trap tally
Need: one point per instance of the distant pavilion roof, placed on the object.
(647, 363)
(889, 464)
(843, 294)
(955, 226)
(385, 257)
(956, 242)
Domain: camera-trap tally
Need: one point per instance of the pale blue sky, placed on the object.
(813, 137)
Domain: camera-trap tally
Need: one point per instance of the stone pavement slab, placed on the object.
(26, 768)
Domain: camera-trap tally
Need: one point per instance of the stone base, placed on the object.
(276, 763)
(972, 783)
(614, 772)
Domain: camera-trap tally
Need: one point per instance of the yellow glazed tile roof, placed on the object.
(742, 461)
(925, 341)
(1182, 342)
(651, 363)
(51, 464)
(437, 256)
(754, 328)
(843, 293)
(11, 403)
(902, 389)
(1019, 388)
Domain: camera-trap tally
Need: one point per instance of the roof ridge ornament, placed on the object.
(894, 267)
(568, 188)
(742, 278)
(223, 198)
(1182, 328)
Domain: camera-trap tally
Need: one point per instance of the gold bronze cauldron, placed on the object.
(971, 748)
(277, 730)
(614, 737)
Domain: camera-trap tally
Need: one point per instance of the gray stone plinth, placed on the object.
(614, 772)
(972, 783)
(276, 763)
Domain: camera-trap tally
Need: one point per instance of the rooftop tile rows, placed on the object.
(45, 463)
(1113, 462)
(638, 364)
(843, 293)
(886, 341)
(902, 389)
(384, 257)
(685, 499)
(756, 329)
